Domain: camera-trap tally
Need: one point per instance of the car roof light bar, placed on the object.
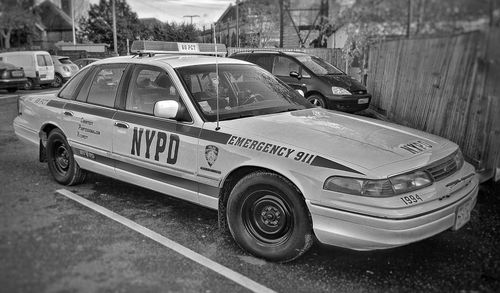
(158, 47)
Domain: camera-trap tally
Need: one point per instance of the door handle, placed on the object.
(68, 113)
(121, 124)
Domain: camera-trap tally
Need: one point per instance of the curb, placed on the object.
(8, 98)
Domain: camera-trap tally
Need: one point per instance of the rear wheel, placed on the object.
(268, 217)
(28, 84)
(317, 100)
(61, 162)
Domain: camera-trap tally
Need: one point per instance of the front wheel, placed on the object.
(62, 164)
(58, 81)
(267, 216)
(317, 100)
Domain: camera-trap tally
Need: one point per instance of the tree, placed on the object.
(98, 27)
(170, 32)
(16, 15)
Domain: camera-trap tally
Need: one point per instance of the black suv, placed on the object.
(325, 85)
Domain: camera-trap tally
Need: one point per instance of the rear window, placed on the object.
(70, 89)
(65, 61)
(4, 65)
(40, 60)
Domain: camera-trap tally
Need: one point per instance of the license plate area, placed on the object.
(17, 74)
(462, 214)
(363, 101)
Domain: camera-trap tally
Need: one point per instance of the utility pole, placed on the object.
(73, 21)
(191, 16)
(237, 23)
(282, 11)
(115, 40)
(410, 12)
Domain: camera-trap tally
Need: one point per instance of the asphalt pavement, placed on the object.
(51, 243)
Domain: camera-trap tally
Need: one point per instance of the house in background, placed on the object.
(303, 24)
(58, 24)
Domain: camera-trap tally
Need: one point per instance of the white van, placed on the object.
(37, 65)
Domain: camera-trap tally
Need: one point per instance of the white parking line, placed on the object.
(208, 263)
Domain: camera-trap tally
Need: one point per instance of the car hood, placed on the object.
(354, 140)
(344, 81)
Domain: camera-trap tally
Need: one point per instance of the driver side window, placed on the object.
(283, 66)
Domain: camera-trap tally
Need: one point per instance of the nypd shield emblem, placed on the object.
(211, 153)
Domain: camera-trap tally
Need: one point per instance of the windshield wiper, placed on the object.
(238, 116)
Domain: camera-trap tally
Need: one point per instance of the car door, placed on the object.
(153, 151)
(89, 116)
(282, 67)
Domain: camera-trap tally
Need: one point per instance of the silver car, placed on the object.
(64, 70)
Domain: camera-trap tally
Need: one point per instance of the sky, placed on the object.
(175, 10)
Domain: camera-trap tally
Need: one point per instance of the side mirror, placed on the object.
(171, 110)
(295, 74)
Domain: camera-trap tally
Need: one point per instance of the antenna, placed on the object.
(217, 80)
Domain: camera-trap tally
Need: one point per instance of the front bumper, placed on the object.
(348, 103)
(363, 232)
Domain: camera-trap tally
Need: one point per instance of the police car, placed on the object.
(227, 135)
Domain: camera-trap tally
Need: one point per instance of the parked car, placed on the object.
(228, 135)
(326, 85)
(37, 65)
(85, 61)
(11, 77)
(64, 70)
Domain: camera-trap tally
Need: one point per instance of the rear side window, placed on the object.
(70, 89)
(264, 61)
(105, 85)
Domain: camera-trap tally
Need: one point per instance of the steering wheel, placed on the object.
(253, 98)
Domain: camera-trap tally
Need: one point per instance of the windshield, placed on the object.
(244, 90)
(318, 65)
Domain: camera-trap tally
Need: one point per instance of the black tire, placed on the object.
(12, 90)
(267, 216)
(317, 100)
(62, 164)
(58, 81)
(28, 85)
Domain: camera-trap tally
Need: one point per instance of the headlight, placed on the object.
(411, 181)
(66, 68)
(379, 188)
(364, 187)
(340, 91)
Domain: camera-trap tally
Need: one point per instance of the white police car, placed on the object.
(227, 135)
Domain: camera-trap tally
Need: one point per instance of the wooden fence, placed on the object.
(449, 86)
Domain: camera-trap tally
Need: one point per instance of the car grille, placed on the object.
(360, 92)
(442, 168)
